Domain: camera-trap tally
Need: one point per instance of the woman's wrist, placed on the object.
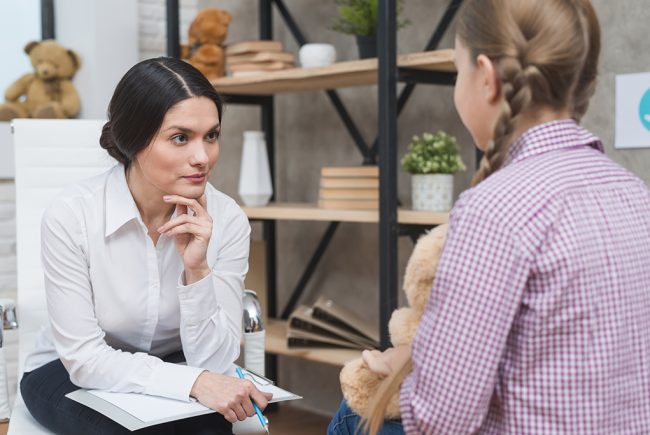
(196, 274)
(196, 387)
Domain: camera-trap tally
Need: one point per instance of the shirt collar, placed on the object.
(120, 207)
(550, 136)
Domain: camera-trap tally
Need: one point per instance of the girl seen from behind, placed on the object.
(538, 316)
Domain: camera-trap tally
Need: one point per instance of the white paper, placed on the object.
(633, 111)
(149, 410)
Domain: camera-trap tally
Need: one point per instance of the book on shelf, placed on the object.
(327, 324)
(255, 46)
(349, 183)
(260, 66)
(349, 204)
(349, 194)
(262, 56)
(350, 171)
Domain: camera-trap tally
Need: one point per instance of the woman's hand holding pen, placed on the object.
(229, 396)
(192, 234)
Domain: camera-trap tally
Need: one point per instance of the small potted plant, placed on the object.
(359, 18)
(432, 160)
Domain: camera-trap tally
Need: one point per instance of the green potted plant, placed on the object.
(432, 160)
(359, 18)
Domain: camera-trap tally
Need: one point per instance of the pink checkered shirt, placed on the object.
(539, 318)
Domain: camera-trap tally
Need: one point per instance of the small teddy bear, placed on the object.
(358, 383)
(48, 91)
(205, 38)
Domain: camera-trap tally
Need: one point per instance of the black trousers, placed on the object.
(44, 391)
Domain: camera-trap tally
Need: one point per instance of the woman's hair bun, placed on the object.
(107, 141)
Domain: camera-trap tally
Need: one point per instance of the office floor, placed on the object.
(285, 420)
(289, 420)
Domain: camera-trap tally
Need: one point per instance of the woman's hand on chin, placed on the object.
(192, 234)
(231, 397)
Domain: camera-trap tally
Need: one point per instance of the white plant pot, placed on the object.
(432, 192)
(255, 187)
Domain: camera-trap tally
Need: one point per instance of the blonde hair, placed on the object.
(545, 54)
(373, 418)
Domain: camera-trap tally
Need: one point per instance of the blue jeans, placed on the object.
(44, 391)
(345, 422)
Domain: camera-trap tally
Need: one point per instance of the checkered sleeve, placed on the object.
(462, 336)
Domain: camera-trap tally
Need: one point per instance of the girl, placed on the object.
(145, 264)
(539, 315)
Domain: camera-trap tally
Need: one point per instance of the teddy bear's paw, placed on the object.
(9, 112)
(51, 110)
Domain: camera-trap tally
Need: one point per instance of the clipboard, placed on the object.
(136, 411)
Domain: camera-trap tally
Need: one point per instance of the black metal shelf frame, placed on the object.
(382, 151)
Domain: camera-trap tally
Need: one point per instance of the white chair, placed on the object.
(50, 154)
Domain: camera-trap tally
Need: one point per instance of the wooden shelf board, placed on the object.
(338, 75)
(276, 343)
(311, 212)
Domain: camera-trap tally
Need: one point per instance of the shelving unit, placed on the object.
(430, 66)
(339, 75)
(311, 212)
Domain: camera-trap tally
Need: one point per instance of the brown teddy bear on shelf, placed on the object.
(205, 38)
(358, 383)
(48, 91)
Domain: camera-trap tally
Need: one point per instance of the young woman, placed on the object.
(539, 315)
(145, 264)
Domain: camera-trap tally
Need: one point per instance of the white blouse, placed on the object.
(117, 303)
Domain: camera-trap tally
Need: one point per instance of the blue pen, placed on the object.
(263, 420)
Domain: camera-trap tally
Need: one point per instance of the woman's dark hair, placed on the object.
(143, 97)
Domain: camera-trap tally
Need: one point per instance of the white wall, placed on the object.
(20, 23)
(105, 34)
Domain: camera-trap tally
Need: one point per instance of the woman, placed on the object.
(145, 265)
(539, 314)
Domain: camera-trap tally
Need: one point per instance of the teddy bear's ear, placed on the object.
(76, 60)
(226, 18)
(30, 46)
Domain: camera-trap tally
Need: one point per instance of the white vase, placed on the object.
(255, 187)
(432, 192)
(315, 55)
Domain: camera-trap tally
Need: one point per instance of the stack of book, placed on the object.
(248, 58)
(327, 324)
(349, 187)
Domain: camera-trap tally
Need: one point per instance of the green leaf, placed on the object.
(359, 17)
(433, 154)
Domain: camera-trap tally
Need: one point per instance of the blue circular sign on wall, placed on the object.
(644, 110)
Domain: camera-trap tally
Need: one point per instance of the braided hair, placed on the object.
(545, 55)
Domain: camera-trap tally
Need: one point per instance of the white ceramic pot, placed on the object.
(432, 192)
(314, 55)
(255, 187)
